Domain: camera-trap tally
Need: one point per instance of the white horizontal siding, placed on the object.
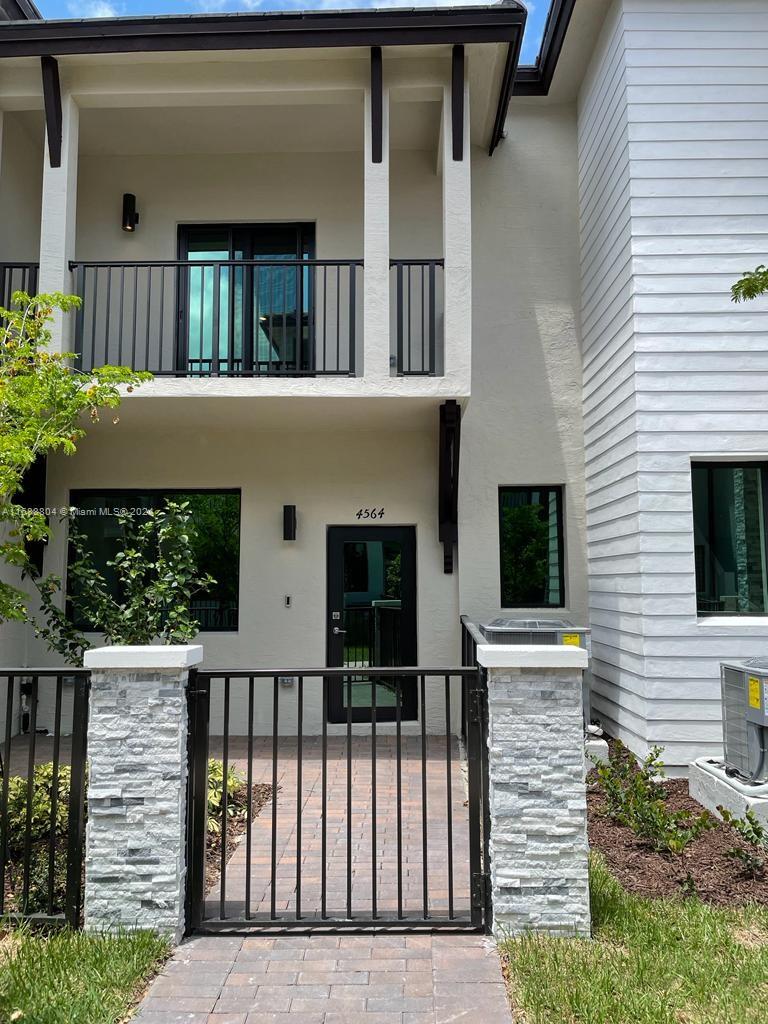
(672, 368)
(609, 371)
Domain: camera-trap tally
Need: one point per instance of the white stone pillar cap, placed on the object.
(531, 656)
(159, 656)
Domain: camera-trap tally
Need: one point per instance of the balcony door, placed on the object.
(245, 320)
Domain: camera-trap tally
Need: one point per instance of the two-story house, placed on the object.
(432, 333)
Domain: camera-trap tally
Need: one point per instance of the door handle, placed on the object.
(339, 632)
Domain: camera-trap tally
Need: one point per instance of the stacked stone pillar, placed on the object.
(135, 867)
(538, 807)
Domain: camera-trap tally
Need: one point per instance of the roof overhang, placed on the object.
(16, 10)
(500, 24)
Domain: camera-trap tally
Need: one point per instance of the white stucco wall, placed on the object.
(523, 424)
(678, 96)
(21, 177)
(328, 475)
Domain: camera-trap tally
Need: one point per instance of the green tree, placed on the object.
(155, 578)
(751, 285)
(45, 404)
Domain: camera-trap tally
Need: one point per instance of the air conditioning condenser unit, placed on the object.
(744, 689)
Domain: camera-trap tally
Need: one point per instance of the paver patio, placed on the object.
(330, 979)
(439, 783)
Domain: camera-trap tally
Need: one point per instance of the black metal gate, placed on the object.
(43, 736)
(356, 826)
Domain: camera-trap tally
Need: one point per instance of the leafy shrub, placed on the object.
(635, 797)
(40, 818)
(42, 823)
(237, 795)
(752, 831)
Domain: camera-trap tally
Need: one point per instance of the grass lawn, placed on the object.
(650, 962)
(73, 978)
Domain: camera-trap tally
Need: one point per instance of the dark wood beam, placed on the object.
(448, 481)
(457, 101)
(52, 103)
(377, 105)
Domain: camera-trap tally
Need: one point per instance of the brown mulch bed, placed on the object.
(260, 794)
(717, 878)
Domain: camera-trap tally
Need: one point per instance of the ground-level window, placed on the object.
(729, 524)
(531, 545)
(216, 516)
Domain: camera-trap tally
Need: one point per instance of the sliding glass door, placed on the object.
(251, 319)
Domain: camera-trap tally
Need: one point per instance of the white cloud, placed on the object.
(93, 9)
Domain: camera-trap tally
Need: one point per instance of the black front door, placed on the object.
(371, 619)
(245, 320)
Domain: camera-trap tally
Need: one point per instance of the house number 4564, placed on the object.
(371, 513)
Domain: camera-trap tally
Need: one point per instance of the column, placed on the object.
(457, 246)
(376, 312)
(58, 221)
(135, 863)
(538, 801)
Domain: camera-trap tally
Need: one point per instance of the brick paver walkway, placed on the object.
(324, 979)
(379, 978)
(444, 789)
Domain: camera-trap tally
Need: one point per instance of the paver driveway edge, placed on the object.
(330, 979)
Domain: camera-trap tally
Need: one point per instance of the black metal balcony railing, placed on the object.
(417, 316)
(17, 277)
(232, 318)
(244, 318)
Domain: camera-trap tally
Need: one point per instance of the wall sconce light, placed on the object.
(130, 216)
(289, 522)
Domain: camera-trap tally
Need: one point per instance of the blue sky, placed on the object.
(114, 8)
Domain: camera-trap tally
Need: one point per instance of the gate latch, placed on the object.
(477, 706)
(480, 888)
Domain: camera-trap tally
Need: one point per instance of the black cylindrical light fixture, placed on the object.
(289, 522)
(130, 216)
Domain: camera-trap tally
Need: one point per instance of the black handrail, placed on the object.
(17, 276)
(220, 318)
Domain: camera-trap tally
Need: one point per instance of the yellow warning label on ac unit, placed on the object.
(572, 639)
(754, 693)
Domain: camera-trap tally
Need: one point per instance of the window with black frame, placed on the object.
(531, 547)
(216, 544)
(729, 527)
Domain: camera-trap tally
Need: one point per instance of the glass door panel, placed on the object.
(250, 319)
(208, 303)
(372, 592)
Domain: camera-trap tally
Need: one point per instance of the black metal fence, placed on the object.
(231, 318)
(417, 316)
(364, 825)
(17, 277)
(43, 725)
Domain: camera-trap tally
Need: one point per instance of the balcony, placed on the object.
(245, 318)
(252, 318)
(231, 318)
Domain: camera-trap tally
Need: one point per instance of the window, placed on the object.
(729, 507)
(531, 546)
(216, 515)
